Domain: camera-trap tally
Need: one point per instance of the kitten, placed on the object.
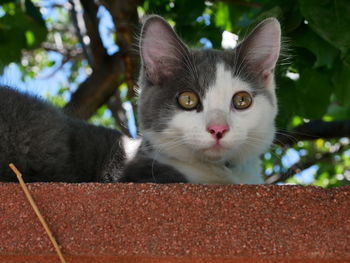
(206, 115)
(46, 145)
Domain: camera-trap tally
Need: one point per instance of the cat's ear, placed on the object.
(261, 49)
(161, 49)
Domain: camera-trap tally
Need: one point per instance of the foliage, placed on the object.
(21, 27)
(313, 75)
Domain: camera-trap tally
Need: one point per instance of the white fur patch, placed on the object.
(186, 144)
(130, 146)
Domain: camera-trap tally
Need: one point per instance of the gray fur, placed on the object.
(46, 145)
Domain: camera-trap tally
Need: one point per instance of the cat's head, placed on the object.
(208, 104)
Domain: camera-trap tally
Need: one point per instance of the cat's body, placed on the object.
(206, 116)
(46, 145)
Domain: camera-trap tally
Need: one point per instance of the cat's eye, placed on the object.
(242, 100)
(188, 100)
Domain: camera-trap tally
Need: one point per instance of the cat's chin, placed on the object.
(215, 153)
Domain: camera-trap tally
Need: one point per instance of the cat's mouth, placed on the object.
(215, 151)
(216, 147)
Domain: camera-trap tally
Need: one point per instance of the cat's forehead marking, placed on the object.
(205, 62)
(220, 92)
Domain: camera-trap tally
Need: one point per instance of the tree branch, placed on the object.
(297, 168)
(118, 112)
(111, 70)
(126, 21)
(301, 165)
(314, 130)
(97, 50)
(310, 131)
(96, 89)
(125, 18)
(80, 29)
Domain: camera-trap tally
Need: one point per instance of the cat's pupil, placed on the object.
(242, 101)
(189, 101)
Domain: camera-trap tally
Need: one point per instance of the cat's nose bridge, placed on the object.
(216, 117)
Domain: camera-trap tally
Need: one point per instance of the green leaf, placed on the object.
(2, 2)
(346, 59)
(341, 82)
(286, 94)
(287, 11)
(51, 63)
(325, 53)
(314, 90)
(30, 38)
(20, 28)
(273, 12)
(292, 18)
(222, 17)
(330, 19)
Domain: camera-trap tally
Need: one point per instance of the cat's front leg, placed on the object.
(147, 170)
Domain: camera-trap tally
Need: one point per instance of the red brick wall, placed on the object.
(176, 223)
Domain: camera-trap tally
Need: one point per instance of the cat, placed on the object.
(48, 146)
(205, 116)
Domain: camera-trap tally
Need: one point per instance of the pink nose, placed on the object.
(218, 131)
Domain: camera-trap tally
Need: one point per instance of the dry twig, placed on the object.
(37, 212)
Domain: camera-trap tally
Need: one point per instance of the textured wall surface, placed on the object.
(176, 223)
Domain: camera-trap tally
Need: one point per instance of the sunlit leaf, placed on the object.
(222, 17)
